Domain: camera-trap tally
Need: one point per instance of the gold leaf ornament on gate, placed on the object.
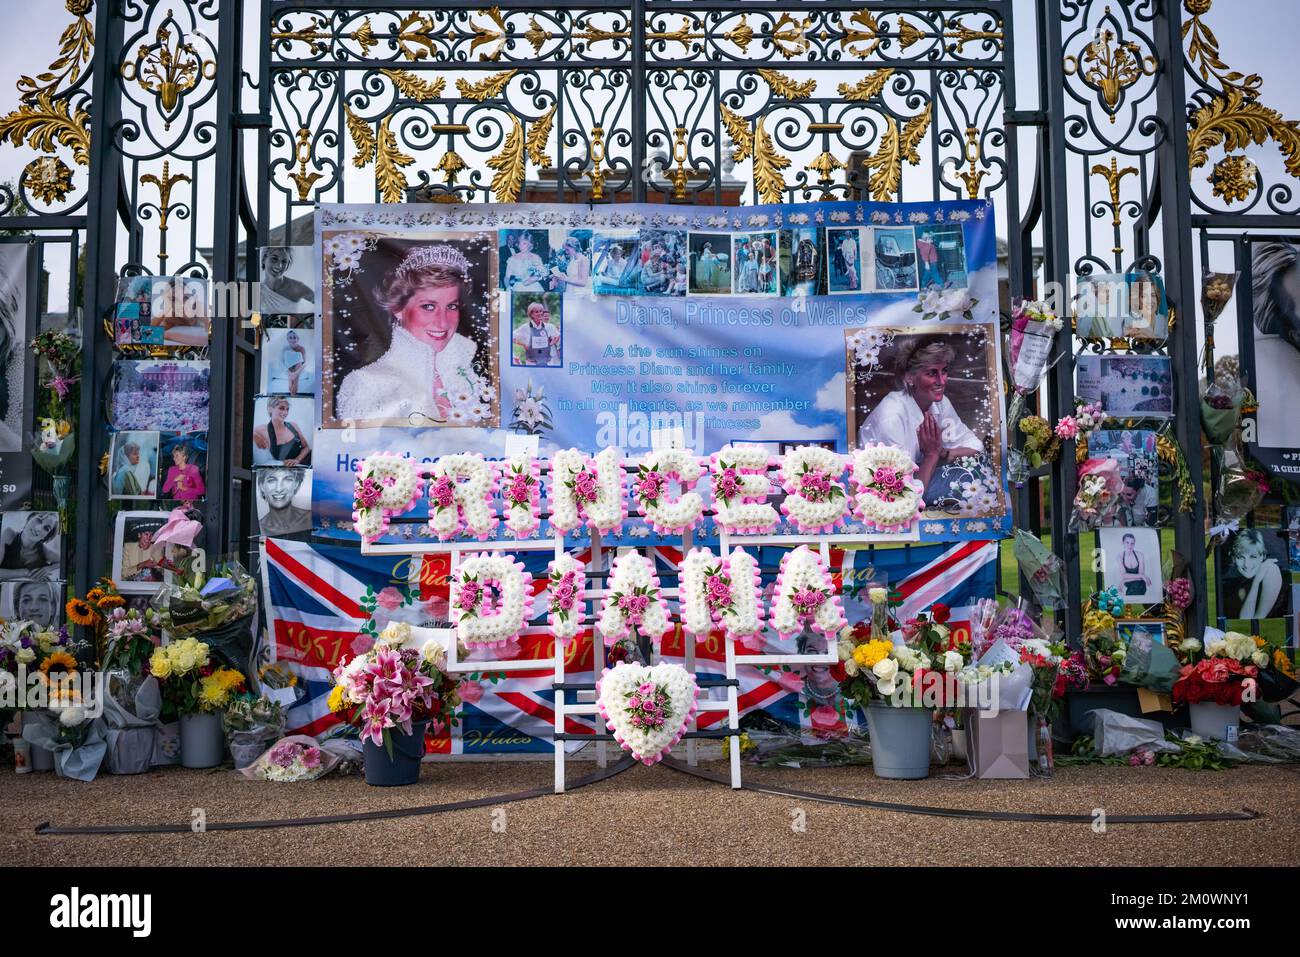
(168, 68)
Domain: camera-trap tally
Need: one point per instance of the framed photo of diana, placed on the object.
(934, 391)
(409, 329)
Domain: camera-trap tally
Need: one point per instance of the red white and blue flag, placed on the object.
(314, 617)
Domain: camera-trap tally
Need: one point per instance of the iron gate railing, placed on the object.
(158, 152)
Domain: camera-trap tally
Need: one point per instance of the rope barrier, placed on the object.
(1245, 814)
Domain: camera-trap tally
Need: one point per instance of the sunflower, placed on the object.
(111, 601)
(81, 612)
(95, 595)
(60, 662)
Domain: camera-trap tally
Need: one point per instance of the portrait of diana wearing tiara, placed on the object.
(410, 330)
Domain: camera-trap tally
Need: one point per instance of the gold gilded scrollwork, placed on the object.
(46, 120)
(597, 157)
(302, 153)
(1111, 69)
(886, 164)
(1234, 118)
(412, 85)
(787, 87)
(868, 87)
(168, 68)
(164, 185)
(486, 88)
(389, 162)
(509, 164)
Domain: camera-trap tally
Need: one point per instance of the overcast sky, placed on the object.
(1247, 43)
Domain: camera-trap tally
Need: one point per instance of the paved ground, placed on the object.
(658, 815)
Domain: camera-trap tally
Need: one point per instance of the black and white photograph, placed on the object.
(537, 330)
(139, 563)
(523, 255)
(1132, 564)
(1255, 578)
(844, 260)
(933, 392)
(282, 431)
(891, 264)
(616, 263)
(1139, 469)
(30, 544)
(13, 337)
(753, 264)
(1275, 291)
(283, 501)
(1101, 306)
(941, 257)
(802, 253)
(34, 601)
(133, 465)
(286, 284)
(289, 362)
(167, 395)
(410, 330)
(1127, 386)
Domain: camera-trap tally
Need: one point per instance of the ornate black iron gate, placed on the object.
(162, 150)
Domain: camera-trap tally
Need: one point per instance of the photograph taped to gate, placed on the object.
(1255, 576)
(30, 546)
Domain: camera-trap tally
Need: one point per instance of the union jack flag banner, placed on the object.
(315, 616)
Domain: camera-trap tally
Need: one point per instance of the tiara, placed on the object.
(442, 255)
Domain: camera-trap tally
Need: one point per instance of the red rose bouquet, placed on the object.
(1214, 681)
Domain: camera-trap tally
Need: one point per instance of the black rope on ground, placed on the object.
(46, 829)
(1245, 814)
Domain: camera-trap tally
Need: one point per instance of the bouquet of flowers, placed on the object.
(1033, 328)
(1216, 680)
(251, 722)
(1241, 490)
(1216, 291)
(1041, 443)
(53, 445)
(1103, 650)
(190, 683)
(218, 608)
(391, 686)
(292, 759)
(1098, 496)
(1221, 404)
(878, 668)
(1042, 568)
(1277, 677)
(130, 641)
(1049, 681)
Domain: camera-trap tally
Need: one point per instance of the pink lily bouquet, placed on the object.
(391, 686)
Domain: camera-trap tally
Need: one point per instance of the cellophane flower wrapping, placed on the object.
(293, 759)
(1150, 664)
(1042, 568)
(1216, 291)
(1221, 402)
(1098, 495)
(1240, 492)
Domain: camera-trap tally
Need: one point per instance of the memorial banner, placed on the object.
(451, 328)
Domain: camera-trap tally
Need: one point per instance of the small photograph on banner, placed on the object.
(537, 329)
(167, 395)
(30, 546)
(570, 262)
(844, 260)
(892, 259)
(409, 324)
(133, 465)
(710, 268)
(182, 465)
(802, 253)
(1293, 536)
(1132, 564)
(941, 256)
(1255, 574)
(663, 262)
(753, 264)
(522, 255)
(616, 263)
(281, 428)
(289, 362)
(283, 501)
(286, 285)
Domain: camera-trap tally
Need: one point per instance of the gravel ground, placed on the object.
(661, 815)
